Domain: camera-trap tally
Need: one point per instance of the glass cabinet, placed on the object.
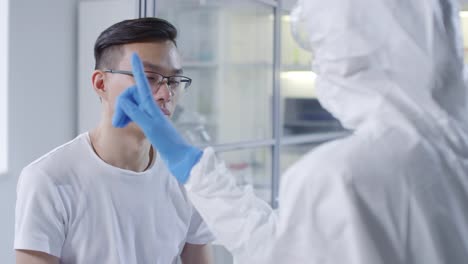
(227, 49)
(252, 96)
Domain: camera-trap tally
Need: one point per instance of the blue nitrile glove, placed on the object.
(137, 104)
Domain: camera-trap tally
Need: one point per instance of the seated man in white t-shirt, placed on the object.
(106, 197)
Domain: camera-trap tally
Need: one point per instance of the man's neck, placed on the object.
(121, 148)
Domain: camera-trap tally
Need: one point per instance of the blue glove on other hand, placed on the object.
(137, 104)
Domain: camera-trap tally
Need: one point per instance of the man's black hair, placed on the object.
(107, 49)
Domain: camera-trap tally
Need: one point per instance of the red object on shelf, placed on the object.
(238, 166)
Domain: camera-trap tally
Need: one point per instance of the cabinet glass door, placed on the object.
(227, 49)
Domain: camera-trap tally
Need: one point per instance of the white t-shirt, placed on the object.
(73, 205)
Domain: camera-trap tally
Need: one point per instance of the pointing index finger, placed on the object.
(143, 88)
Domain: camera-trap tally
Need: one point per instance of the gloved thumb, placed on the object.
(120, 118)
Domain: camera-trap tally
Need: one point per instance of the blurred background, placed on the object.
(252, 96)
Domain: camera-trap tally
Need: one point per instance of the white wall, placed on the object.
(3, 83)
(42, 95)
(93, 18)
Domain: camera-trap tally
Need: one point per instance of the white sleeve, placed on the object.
(198, 232)
(318, 221)
(40, 215)
(240, 221)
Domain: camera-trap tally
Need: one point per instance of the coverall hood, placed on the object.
(406, 68)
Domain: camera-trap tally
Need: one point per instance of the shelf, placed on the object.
(296, 67)
(199, 4)
(287, 67)
(249, 65)
(200, 64)
(210, 64)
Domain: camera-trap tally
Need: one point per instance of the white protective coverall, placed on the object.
(396, 190)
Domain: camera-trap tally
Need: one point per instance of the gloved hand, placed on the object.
(137, 104)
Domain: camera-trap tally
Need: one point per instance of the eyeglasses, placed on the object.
(175, 84)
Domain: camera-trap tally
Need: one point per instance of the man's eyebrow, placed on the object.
(157, 68)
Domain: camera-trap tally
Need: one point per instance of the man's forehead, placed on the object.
(159, 68)
(160, 56)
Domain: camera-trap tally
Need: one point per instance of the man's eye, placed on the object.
(153, 80)
(173, 82)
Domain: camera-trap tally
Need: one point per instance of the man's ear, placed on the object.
(98, 84)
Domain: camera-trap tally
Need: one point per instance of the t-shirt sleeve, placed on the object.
(198, 232)
(40, 215)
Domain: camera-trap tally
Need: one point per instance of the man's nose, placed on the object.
(163, 92)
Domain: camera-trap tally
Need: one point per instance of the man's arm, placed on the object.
(197, 254)
(40, 219)
(35, 257)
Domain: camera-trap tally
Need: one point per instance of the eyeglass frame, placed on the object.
(129, 73)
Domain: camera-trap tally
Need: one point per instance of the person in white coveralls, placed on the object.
(394, 191)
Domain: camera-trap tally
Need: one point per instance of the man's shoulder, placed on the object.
(59, 159)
